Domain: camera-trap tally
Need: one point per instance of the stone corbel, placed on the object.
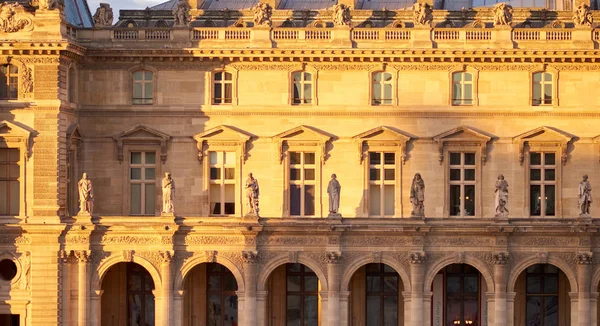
(120, 155)
(163, 151)
(361, 151)
(201, 153)
(441, 152)
(323, 152)
(521, 153)
(483, 153)
(563, 154)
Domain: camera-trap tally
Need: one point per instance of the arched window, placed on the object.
(222, 88)
(382, 295)
(382, 88)
(542, 90)
(288, 23)
(143, 87)
(302, 295)
(9, 81)
(161, 24)
(130, 24)
(462, 88)
(302, 87)
(222, 300)
(209, 23)
(542, 295)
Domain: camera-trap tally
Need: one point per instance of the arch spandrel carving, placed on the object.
(561, 260)
(352, 261)
(303, 259)
(102, 265)
(435, 263)
(186, 262)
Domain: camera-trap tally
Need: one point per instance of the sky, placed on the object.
(123, 4)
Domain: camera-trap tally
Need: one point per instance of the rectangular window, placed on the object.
(382, 88)
(302, 86)
(542, 89)
(143, 87)
(222, 88)
(222, 183)
(462, 184)
(10, 173)
(9, 82)
(462, 88)
(382, 183)
(142, 182)
(542, 184)
(302, 172)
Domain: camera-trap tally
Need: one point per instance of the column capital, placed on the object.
(82, 256)
(501, 258)
(250, 257)
(418, 257)
(585, 258)
(65, 256)
(165, 256)
(334, 257)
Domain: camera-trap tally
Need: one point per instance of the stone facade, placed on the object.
(90, 99)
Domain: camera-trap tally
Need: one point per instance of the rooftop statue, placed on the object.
(502, 14)
(262, 14)
(103, 16)
(422, 14)
(181, 13)
(582, 16)
(51, 4)
(341, 15)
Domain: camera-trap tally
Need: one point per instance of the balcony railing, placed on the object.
(521, 38)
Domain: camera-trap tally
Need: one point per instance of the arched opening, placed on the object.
(127, 296)
(210, 296)
(293, 296)
(376, 296)
(459, 296)
(542, 297)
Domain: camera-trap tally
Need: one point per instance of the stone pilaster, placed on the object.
(500, 280)
(83, 257)
(417, 276)
(250, 275)
(584, 279)
(167, 294)
(333, 277)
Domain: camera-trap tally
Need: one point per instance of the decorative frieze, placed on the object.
(361, 241)
(127, 239)
(460, 241)
(290, 240)
(213, 240)
(14, 239)
(533, 241)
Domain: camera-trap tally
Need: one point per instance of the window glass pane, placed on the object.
(376, 93)
(389, 174)
(293, 283)
(535, 174)
(229, 173)
(14, 197)
(469, 158)
(549, 175)
(548, 94)
(137, 76)
(388, 269)
(468, 92)
(14, 171)
(213, 157)
(309, 200)
(215, 199)
(150, 158)
(453, 311)
(13, 155)
(4, 193)
(229, 199)
(309, 158)
(297, 76)
(294, 268)
(311, 283)
(150, 174)
(387, 93)
(373, 283)
(456, 77)
(374, 201)
(295, 192)
(550, 269)
(311, 310)
(214, 310)
(468, 77)
(549, 159)
(471, 284)
(453, 284)
(377, 77)
(534, 311)
(215, 173)
(148, 91)
(148, 75)
(534, 284)
(136, 158)
(537, 77)
(136, 174)
(471, 307)
(228, 93)
(535, 158)
(549, 192)
(293, 315)
(307, 91)
(389, 158)
(373, 311)
(229, 282)
(470, 174)
(137, 91)
(295, 174)
(218, 76)
(535, 200)
(229, 158)
(389, 200)
(537, 94)
(454, 200)
(373, 268)
(218, 93)
(551, 284)
(150, 199)
(454, 174)
(551, 308)
(136, 199)
(547, 77)
(374, 158)
(295, 157)
(309, 174)
(390, 310)
(469, 200)
(228, 76)
(390, 284)
(214, 283)
(307, 76)
(535, 268)
(454, 158)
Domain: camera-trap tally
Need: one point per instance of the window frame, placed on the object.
(222, 182)
(302, 182)
(382, 182)
(157, 165)
(8, 84)
(456, 148)
(143, 82)
(539, 148)
(222, 293)
(18, 138)
(474, 82)
(462, 294)
(210, 100)
(393, 82)
(382, 274)
(302, 293)
(306, 148)
(555, 75)
(313, 82)
(462, 182)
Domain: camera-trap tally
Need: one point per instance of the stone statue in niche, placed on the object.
(86, 195)
(25, 260)
(341, 15)
(582, 15)
(417, 196)
(333, 190)
(181, 13)
(104, 15)
(262, 14)
(501, 198)
(585, 197)
(168, 188)
(502, 14)
(422, 14)
(252, 193)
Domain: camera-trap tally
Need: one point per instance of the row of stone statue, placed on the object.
(417, 196)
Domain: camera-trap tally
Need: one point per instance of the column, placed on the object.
(167, 286)
(83, 258)
(95, 299)
(250, 275)
(178, 308)
(333, 278)
(65, 259)
(261, 305)
(584, 279)
(344, 307)
(500, 281)
(417, 276)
